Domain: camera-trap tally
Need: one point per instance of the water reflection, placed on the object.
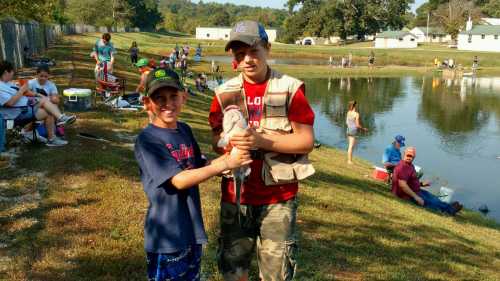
(290, 61)
(373, 97)
(454, 122)
(452, 107)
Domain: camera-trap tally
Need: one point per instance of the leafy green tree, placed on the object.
(146, 14)
(453, 15)
(492, 8)
(27, 10)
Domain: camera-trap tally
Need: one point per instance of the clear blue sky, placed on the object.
(279, 4)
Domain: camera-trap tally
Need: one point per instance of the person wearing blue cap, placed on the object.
(392, 153)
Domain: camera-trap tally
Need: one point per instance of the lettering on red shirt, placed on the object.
(184, 153)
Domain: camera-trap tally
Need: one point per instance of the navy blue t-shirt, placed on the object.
(174, 220)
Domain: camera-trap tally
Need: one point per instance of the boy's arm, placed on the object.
(189, 178)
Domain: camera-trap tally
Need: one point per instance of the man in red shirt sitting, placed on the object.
(281, 124)
(406, 185)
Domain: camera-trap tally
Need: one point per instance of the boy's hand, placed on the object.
(236, 160)
(425, 183)
(247, 140)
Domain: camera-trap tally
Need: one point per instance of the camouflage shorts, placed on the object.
(270, 230)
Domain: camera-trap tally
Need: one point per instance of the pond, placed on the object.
(292, 61)
(454, 124)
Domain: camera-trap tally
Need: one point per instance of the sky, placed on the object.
(280, 4)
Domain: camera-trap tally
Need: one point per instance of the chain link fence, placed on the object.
(19, 40)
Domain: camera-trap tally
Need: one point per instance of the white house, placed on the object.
(491, 21)
(222, 33)
(395, 39)
(479, 38)
(432, 35)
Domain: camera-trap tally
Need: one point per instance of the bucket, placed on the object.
(380, 174)
(445, 194)
(77, 99)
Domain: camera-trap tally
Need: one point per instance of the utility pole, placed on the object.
(427, 31)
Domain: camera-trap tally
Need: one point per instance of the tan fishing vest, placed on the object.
(280, 90)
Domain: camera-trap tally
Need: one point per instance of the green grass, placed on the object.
(82, 208)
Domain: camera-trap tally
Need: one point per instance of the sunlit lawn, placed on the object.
(76, 213)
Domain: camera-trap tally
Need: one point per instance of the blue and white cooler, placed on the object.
(76, 99)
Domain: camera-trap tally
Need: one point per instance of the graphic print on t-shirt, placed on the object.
(184, 155)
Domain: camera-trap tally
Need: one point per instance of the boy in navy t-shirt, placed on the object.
(171, 167)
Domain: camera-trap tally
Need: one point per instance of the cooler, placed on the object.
(380, 174)
(77, 99)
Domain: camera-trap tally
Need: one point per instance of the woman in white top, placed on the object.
(353, 125)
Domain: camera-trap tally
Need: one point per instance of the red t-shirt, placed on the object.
(254, 191)
(405, 171)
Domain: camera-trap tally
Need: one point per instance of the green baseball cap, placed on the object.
(249, 32)
(142, 62)
(160, 78)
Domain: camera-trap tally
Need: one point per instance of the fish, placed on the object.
(234, 122)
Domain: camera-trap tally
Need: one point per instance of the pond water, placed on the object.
(454, 124)
(292, 61)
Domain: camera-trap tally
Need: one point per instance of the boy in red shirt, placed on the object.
(281, 121)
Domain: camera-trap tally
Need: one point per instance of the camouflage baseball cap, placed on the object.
(247, 31)
(160, 78)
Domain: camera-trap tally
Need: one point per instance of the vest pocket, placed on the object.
(280, 169)
(276, 105)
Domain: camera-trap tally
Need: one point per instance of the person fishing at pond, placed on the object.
(353, 126)
(280, 134)
(392, 153)
(407, 186)
(198, 51)
(371, 59)
(475, 64)
(171, 167)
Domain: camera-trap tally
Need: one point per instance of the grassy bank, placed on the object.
(423, 56)
(76, 212)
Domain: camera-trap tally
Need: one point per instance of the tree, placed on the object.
(28, 10)
(146, 14)
(453, 15)
(492, 8)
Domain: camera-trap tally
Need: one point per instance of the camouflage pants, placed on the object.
(268, 229)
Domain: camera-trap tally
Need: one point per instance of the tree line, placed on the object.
(452, 15)
(322, 18)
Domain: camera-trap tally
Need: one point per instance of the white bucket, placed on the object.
(445, 194)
